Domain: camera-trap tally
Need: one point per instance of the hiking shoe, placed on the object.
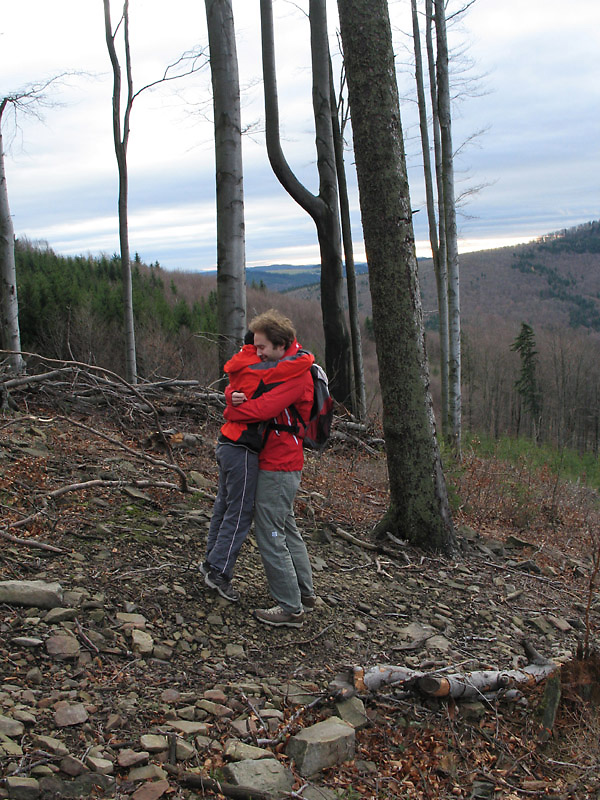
(277, 616)
(216, 580)
(204, 568)
(309, 602)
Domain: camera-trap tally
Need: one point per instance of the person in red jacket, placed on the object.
(237, 456)
(281, 546)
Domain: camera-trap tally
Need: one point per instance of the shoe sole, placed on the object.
(274, 624)
(211, 584)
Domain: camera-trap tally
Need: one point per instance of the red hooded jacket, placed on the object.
(248, 374)
(287, 382)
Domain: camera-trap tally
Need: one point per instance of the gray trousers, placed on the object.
(279, 541)
(232, 511)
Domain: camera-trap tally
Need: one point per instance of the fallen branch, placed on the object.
(457, 685)
(335, 529)
(29, 542)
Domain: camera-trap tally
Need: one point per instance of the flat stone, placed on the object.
(101, 765)
(267, 774)
(66, 714)
(353, 711)
(37, 594)
(189, 728)
(132, 758)
(216, 709)
(134, 620)
(240, 751)
(62, 646)
(22, 788)
(150, 772)
(11, 727)
(153, 742)
(50, 745)
(60, 614)
(73, 766)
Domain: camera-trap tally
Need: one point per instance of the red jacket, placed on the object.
(282, 451)
(248, 374)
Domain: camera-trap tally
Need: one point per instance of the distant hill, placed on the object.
(286, 277)
(552, 282)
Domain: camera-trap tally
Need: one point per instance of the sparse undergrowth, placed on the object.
(129, 551)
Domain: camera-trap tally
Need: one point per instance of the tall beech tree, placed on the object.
(419, 509)
(324, 207)
(121, 121)
(231, 259)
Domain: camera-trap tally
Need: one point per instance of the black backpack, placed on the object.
(317, 429)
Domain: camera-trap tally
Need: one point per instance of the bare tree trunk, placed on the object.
(419, 509)
(323, 208)
(231, 254)
(9, 306)
(443, 94)
(359, 404)
(121, 139)
(439, 262)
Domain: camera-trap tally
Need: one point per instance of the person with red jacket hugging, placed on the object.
(281, 546)
(237, 456)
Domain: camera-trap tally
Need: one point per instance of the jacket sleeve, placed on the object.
(270, 404)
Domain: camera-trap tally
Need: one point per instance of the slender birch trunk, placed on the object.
(439, 262)
(359, 404)
(9, 306)
(443, 93)
(121, 139)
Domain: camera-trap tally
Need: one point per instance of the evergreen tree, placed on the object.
(527, 384)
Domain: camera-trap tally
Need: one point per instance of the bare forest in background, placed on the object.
(552, 285)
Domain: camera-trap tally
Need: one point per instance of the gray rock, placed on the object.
(11, 727)
(62, 646)
(38, 594)
(22, 788)
(353, 712)
(268, 775)
(239, 751)
(322, 745)
(67, 714)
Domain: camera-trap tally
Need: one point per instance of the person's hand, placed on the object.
(237, 398)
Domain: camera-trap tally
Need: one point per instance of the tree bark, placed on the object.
(419, 509)
(323, 208)
(449, 205)
(9, 306)
(231, 255)
(465, 686)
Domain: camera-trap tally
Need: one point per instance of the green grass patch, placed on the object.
(567, 464)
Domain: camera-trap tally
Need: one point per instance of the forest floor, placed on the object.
(126, 540)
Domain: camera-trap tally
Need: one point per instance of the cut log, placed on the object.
(456, 685)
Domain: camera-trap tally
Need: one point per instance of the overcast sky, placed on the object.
(529, 114)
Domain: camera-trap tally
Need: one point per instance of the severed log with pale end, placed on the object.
(456, 685)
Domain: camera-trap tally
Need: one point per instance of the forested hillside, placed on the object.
(550, 283)
(70, 308)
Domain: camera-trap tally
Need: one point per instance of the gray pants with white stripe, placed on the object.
(279, 541)
(232, 511)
